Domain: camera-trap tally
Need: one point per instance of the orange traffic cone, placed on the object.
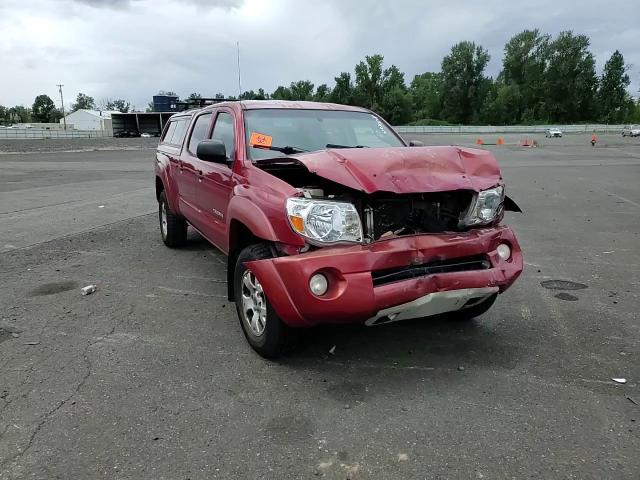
(500, 141)
(479, 141)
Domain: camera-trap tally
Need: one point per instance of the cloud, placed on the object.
(106, 3)
(133, 48)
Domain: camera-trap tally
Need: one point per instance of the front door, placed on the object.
(216, 182)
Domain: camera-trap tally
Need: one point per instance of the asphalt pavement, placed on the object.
(150, 377)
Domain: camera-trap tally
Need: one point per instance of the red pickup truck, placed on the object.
(328, 216)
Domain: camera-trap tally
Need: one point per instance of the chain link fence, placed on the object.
(37, 133)
(598, 128)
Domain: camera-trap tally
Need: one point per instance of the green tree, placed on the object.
(118, 104)
(570, 79)
(281, 93)
(43, 108)
(502, 105)
(343, 91)
(613, 100)
(323, 93)
(425, 93)
(463, 82)
(523, 71)
(369, 77)
(19, 114)
(395, 104)
(301, 90)
(83, 102)
(194, 96)
(4, 115)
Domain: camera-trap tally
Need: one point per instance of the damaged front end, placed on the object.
(344, 189)
(414, 232)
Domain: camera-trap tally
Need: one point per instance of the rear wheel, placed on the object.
(475, 311)
(172, 227)
(262, 327)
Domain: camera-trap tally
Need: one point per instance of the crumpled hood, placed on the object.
(405, 169)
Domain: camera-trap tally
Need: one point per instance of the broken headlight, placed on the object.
(485, 207)
(324, 221)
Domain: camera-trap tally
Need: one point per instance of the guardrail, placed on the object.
(508, 128)
(36, 133)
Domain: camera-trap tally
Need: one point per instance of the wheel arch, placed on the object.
(240, 237)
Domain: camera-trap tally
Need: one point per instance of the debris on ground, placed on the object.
(619, 380)
(32, 343)
(88, 290)
(461, 368)
(631, 400)
(332, 350)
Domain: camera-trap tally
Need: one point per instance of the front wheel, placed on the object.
(262, 327)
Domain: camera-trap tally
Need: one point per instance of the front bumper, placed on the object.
(352, 296)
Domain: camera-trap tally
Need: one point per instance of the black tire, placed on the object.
(277, 338)
(475, 311)
(174, 234)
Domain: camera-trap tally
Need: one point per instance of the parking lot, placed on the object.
(150, 377)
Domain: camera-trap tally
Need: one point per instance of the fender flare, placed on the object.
(169, 188)
(246, 212)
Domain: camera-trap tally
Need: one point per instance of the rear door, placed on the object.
(200, 130)
(216, 181)
(183, 172)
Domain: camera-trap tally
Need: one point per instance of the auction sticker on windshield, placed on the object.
(260, 140)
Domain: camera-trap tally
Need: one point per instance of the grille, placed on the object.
(410, 214)
(462, 264)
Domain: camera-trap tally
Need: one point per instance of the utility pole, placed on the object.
(239, 84)
(62, 102)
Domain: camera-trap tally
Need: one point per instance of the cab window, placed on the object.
(223, 130)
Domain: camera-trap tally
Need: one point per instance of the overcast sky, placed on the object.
(132, 48)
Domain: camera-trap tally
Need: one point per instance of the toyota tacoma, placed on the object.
(327, 215)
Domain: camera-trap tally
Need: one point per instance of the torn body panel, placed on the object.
(353, 297)
(406, 170)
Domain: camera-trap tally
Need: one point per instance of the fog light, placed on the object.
(318, 284)
(504, 252)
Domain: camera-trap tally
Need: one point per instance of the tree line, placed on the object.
(542, 80)
(44, 109)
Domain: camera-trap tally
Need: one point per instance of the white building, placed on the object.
(90, 119)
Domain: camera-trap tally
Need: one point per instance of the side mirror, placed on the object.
(416, 143)
(212, 151)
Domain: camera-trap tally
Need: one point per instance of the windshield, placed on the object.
(288, 131)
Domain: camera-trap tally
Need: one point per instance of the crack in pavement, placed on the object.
(48, 415)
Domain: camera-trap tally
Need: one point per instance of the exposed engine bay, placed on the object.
(386, 214)
(383, 214)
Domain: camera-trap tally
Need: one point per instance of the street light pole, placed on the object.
(62, 102)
